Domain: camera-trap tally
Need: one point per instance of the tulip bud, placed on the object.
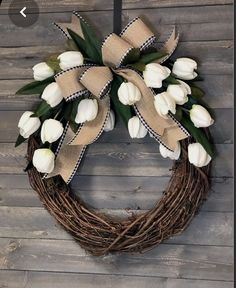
(51, 130)
(184, 68)
(43, 160)
(70, 59)
(87, 110)
(136, 128)
(28, 125)
(164, 103)
(52, 94)
(174, 155)
(200, 116)
(197, 155)
(154, 74)
(179, 92)
(128, 93)
(42, 71)
(110, 122)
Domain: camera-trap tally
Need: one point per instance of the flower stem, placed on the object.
(185, 110)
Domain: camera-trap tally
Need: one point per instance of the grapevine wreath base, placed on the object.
(99, 234)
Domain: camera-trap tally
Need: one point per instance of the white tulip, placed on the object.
(28, 125)
(197, 155)
(164, 103)
(179, 92)
(184, 68)
(136, 128)
(51, 130)
(109, 126)
(52, 94)
(87, 110)
(174, 155)
(128, 93)
(200, 116)
(186, 86)
(43, 160)
(42, 71)
(154, 74)
(70, 59)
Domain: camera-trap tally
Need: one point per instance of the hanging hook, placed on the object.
(117, 16)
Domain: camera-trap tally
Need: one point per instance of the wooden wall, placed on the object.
(118, 173)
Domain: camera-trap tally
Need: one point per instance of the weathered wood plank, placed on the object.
(215, 57)
(222, 131)
(119, 160)
(16, 279)
(207, 228)
(218, 88)
(173, 261)
(113, 192)
(196, 24)
(83, 5)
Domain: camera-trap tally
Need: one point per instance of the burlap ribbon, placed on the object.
(96, 81)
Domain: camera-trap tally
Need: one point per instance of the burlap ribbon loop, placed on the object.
(96, 80)
(159, 127)
(114, 50)
(143, 39)
(69, 83)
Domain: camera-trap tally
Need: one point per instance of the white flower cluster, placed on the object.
(52, 129)
(128, 94)
(165, 102)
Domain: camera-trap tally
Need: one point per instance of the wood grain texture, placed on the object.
(207, 228)
(122, 159)
(33, 279)
(112, 192)
(194, 23)
(222, 132)
(18, 62)
(83, 5)
(117, 174)
(218, 88)
(167, 260)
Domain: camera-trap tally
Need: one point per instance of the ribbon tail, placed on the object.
(74, 25)
(169, 46)
(73, 145)
(166, 131)
(68, 162)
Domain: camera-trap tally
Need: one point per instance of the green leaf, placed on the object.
(20, 139)
(93, 43)
(80, 42)
(132, 57)
(69, 114)
(198, 134)
(148, 58)
(196, 92)
(53, 63)
(74, 126)
(75, 109)
(42, 109)
(191, 101)
(67, 111)
(171, 80)
(138, 66)
(179, 114)
(124, 111)
(35, 87)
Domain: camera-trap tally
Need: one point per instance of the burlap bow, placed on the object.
(96, 81)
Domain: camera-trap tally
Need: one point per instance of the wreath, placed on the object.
(82, 90)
